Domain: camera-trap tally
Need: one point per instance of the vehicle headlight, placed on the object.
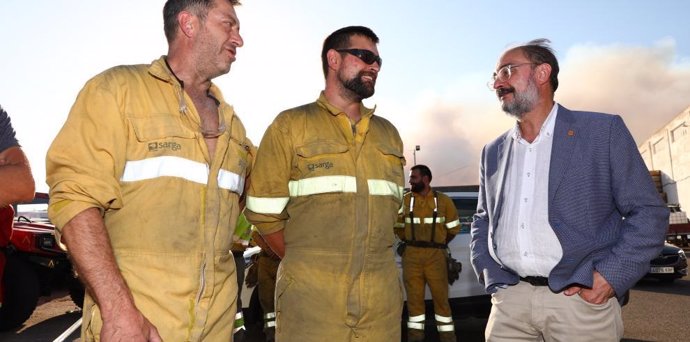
(681, 254)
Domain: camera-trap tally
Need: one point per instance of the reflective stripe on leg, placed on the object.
(418, 326)
(445, 328)
(444, 319)
(417, 319)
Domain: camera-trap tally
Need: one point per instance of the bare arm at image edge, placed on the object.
(16, 181)
(90, 249)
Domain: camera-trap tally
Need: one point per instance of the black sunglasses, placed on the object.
(365, 55)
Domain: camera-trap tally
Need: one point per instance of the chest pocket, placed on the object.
(393, 162)
(162, 135)
(323, 158)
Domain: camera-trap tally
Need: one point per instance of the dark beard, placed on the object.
(416, 188)
(361, 89)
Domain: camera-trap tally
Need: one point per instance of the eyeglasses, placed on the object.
(503, 74)
(365, 55)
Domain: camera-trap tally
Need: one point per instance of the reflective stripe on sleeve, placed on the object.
(443, 319)
(270, 324)
(267, 205)
(322, 185)
(399, 225)
(453, 224)
(445, 328)
(166, 166)
(270, 315)
(381, 187)
(238, 315)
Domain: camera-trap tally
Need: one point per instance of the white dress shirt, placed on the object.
(526, 242)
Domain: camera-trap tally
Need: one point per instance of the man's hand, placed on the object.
(601, 290)
(129, 326)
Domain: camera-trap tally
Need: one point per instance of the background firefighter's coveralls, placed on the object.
(241, 238)
(427, 264)
(267, 265)
(335, 188)
(132, 147)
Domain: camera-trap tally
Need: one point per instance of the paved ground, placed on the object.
(657, 312)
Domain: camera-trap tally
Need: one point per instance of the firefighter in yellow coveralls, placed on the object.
(325, 192)
(427, 222)
(145, 180)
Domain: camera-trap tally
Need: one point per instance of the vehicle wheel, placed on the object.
(76, 291)
(21, 293)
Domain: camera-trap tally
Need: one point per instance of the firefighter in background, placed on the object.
(427, 222)
(267, 264)
(240, 243)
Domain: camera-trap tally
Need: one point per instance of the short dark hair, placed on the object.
(538, 51)
(173, 7)
(423, 169)
(340, 39)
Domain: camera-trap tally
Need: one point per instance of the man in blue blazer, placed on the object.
(568, 218)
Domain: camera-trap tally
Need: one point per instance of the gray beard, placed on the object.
(523, 102)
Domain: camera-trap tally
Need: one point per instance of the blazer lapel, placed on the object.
(564, 139)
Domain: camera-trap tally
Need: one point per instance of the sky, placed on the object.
(626, 57)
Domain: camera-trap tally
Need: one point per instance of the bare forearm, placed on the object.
(89, 246)
(16, 181)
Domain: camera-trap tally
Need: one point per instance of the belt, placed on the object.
(536, 281)
(426, 244)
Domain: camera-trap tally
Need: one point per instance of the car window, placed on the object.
(466, 208)
(36, 210)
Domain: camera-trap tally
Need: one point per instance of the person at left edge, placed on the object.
(16, 181)
(145, 181)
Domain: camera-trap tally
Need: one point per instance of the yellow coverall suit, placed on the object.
(424, 259)
(133, 148)
(267, 264)
(335, 187)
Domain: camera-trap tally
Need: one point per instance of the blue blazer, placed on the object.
(603, 205)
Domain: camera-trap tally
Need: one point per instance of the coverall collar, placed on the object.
(159, 69)
(322, 101)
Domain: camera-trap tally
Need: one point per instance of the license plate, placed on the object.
(661, 270)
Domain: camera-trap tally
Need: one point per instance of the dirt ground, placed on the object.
(52, 316)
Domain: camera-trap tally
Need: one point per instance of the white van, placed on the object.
(466, 296)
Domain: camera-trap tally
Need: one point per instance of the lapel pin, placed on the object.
(571, 133)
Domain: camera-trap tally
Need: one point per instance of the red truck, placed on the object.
(32, 263)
